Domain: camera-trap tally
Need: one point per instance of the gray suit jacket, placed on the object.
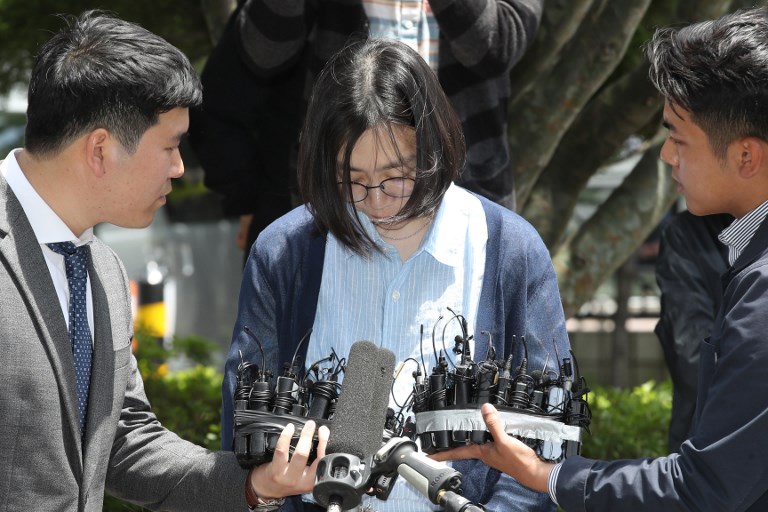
(43, 465)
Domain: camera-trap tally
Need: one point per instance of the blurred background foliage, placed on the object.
(26, 24)
(629, 423)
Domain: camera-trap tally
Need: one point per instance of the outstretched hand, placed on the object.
(505, 453)
(286, 474)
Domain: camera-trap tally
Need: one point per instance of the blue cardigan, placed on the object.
(519, 296)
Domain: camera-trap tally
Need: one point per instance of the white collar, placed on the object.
(46, 224)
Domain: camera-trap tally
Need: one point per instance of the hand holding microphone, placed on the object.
(357, 462)
(288, 474)
(505, 453)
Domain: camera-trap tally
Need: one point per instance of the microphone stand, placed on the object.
(341, 481)
(435, 480)
(342, 478)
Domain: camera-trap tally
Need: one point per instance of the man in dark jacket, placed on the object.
(688, 269)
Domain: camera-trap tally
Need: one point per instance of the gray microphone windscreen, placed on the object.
(358, 423)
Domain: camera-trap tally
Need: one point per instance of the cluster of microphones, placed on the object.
(370, 447)
(546, 408)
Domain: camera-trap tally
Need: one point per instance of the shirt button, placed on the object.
(396, 295)
(408, 24)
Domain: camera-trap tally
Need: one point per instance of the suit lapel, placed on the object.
(102, 372)
(110, 309)
(24, 259)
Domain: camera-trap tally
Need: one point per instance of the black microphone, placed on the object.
(356, 428)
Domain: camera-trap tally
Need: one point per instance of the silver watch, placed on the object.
(267, 505)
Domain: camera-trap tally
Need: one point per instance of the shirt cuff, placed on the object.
(552, 482)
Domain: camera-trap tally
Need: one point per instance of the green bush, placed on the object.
(629, 423)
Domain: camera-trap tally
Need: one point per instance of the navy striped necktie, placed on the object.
(76, 264)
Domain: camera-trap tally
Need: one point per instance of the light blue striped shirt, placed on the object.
(384, 300)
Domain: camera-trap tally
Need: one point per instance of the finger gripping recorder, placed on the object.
(262, 410)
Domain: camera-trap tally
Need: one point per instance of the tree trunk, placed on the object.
(542, 115)
(605, 241)
(620, 110)
(559, 22)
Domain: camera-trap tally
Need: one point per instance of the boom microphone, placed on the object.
(356, 428)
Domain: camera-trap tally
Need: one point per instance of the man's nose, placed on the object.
(178, 169)
(667, 153)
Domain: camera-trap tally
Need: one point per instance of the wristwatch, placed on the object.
(257, 503)
(266, 505)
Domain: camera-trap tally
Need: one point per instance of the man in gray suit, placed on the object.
(107, 109)
(714, 79)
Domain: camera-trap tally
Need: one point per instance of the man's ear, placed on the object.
(97, 151)
(751, 156)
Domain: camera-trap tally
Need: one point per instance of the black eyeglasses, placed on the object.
(397, 188)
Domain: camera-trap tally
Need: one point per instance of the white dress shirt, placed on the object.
(48, 228)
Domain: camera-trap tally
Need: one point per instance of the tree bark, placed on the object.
(620, 110)
(541, 117)
(605, 241)
(560, 21)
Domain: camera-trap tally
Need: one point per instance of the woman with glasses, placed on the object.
(388, 249)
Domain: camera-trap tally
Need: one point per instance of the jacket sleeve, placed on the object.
(244, 131)
(155, 468)
(256, 312)
(488, 36)
(278, 300)
(688, 273)
(148, 464)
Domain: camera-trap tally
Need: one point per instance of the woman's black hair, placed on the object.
(375, 84)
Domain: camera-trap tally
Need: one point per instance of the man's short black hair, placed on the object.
(103, 72)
